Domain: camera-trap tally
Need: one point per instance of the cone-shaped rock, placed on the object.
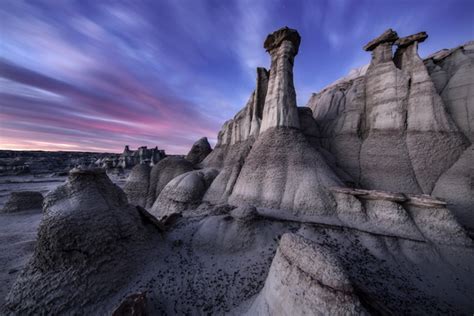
(201, 148)
(137, 185)
(87, 242)
(433, 140)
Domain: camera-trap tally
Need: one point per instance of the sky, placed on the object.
(96, 75)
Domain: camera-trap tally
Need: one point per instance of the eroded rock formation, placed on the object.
(84, 254)
(280, 102)
(136, 187)
(199, 151)
(392, 119)
(22, 201)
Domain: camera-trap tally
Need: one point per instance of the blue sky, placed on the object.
(96, 75)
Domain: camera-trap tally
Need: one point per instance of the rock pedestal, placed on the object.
(280, 102)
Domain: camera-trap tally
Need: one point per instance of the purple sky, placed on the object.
(96, 75)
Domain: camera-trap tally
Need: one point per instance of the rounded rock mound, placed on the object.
(85, 254)
(162, 173)
(22, 201)
(183, 192)
(199, 151)
(137, 184)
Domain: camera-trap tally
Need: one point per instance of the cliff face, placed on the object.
(404, 124)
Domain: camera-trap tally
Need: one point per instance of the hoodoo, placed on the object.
(280, 102)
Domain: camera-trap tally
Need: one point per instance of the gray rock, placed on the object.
(280, 101)
(275, 39)
(456, 186)
(229, 159)
(283, 171)
(433, 140)
(389, 36)
(245, 213)
(183, 192)
(88, 233)
(201, 148)
(22, 201)
(246, 123)
(137, 185)
(411, 39)
(306, 279)
(162, 173)
(391, 119)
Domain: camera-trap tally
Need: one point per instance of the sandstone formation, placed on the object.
(199, 151)
(278, 167)
(306, 279)
(183, 192)
(162, 173)
(130, 158)
(22, 201)
(393, 119)
(283, 171)
(280, 102)
(88, 232)
(136, 187)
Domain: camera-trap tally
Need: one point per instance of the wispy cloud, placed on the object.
(97, 75)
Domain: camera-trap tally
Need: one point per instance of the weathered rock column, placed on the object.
(384, 127)
(280, 102)
(433, 140)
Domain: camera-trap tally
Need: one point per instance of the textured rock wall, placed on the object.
(405, 122)
(85, 249)
(280, 102)
(247, 121)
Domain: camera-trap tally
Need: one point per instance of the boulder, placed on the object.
(306, 279)
(22, 201)
(183, 192)
(199, 151)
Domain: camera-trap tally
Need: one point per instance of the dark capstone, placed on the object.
(389, 36)
(275, 39)
(410, 39)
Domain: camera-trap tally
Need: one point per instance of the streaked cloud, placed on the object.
(96, 75)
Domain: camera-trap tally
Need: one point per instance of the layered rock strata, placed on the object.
(280, 102)
(399, 119)
(84, 253)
